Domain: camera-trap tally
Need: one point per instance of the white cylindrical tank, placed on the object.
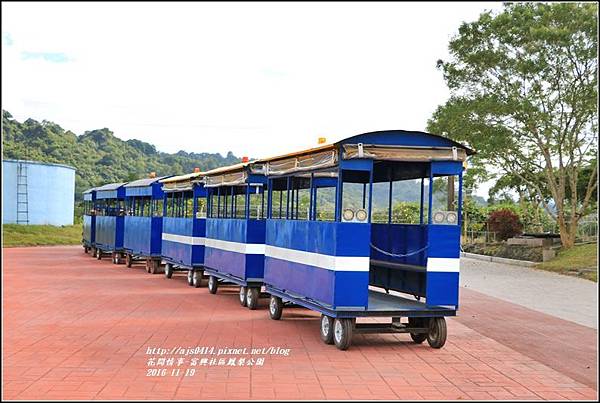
(37, 193)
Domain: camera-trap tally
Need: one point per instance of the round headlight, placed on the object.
(348, 214)
(438, 217)
(451, 217)
(361, 214)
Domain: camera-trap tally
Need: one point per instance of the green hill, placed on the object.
(98, 155)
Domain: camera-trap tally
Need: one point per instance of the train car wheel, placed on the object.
(190, 277)
(128, 260)
(275, 307)
(93, 252)
(168, 270)
(197, 280)
(342, 332)
(213, 285)
(252, 298)
(418, 322)
(85, 249)
(243, 296)
(154, 266)
(437, 332)
(327, 329)
(99, 254)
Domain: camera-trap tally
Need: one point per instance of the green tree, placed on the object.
(98, 155)
(524, 94)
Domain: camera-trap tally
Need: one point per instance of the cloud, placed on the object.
(52, 57)
(257, 79)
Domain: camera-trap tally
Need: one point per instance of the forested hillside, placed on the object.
(98, 155)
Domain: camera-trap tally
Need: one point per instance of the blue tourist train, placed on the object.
(184, 226)
(235, 229)
(329, 249)
(110, 220)
(368, 226)
(89, 221)
(143, 225)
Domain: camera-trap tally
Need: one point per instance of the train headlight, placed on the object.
(361, 214)
(438, 217)
(451, 217)
(348, 214)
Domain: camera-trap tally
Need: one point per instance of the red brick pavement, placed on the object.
(78, 328)
(566, 346)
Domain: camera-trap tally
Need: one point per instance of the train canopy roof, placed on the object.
(110, 186)
(143, 182)
(182, 182)
(387, 145)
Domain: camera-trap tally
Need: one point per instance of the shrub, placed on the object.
(505, 223)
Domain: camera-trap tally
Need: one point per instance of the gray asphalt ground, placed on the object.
(566, 297)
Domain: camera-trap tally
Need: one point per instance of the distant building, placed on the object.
(37, 193)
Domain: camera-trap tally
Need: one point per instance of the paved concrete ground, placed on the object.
(78, 328)
(566, 297)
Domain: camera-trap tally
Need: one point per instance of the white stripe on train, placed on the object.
(188, 240)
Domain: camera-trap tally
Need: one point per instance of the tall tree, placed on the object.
(524, 94)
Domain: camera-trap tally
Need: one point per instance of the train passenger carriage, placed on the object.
(367, 226)
(144, 222)
(89, 221)
(235, 229)
(110, 220)
(184, 225)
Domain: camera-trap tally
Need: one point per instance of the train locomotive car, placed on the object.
(144, 223)
(184, 226)
(338, 240)
(235, 229)
(110, 220)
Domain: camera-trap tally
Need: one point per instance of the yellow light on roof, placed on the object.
(322, 140)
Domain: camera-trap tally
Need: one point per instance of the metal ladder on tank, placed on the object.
(22, 197)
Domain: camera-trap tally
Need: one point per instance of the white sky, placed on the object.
(257, 79)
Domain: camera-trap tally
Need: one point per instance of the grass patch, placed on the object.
(38, 235)
(580, 260)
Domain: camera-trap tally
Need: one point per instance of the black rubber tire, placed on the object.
(128, 260)
(118, 258)
(326, 329)
(342, 332)
(197, 280)
(147, 266)
(99, 254)
(275, 307)
(168, 270)
(437, 332)
(252, 295)
(213, 284)
(154, 266)
(86, 249)
(242, 297)
(418, 322)
(93, 251)
(190, 277)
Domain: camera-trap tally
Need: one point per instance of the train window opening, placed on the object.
(355, 196)
(201, 207)
(279, 198)
(445, 200)
(256, 202)
(324, 200)
(239, 201)
(157, 207)
(299, 203)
